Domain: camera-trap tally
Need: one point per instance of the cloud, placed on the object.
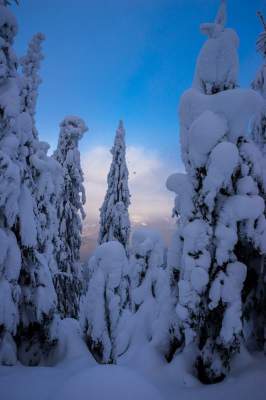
(151, 203)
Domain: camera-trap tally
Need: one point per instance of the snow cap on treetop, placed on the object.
(110, 257)
(120, 130)
(217, 64)
(73, 126)
(8, 23)
(221, 14)
(213, 29)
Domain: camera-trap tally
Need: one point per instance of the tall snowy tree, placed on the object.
(47, 173)
(259, 84)
(70, 214)
(255, 295)
(150, 297)
(27, 310)
(102, 305)
(30, 68)
(9, 189)
(38, 330)
(114, 218)
(218, 203)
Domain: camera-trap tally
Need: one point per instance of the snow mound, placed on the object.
(108, 383)
(110, 256)
(145, 240)
(238, 105)
(204, 134)
(71, 344)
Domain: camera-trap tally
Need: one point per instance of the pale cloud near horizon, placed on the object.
(151, 203)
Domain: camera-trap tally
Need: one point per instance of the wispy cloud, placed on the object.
(151, 203)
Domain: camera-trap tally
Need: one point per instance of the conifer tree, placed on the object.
(150, 296)
(218, 203)
(38, 333)
(28, 307)
(104, 301)
(259, 84)
(255, 294)
(70, 214)
(30, 64)
(114, 218)
(47, 173)
(9, 190)
(147, 257)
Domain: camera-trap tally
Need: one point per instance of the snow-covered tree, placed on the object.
(173, 273)
(150, 317)
(70, 214)
(147, 256)
(9, 189)
(259, 84)
(48, 179)
(218, 203)
(218, 50)
(37, 332)
(114, 218)
(255, 293)
(30, 68)
(28, 309)
(45, 170)
(102, 305)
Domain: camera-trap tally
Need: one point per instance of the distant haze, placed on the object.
(151, 203)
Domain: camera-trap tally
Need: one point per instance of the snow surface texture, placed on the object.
(146, 377)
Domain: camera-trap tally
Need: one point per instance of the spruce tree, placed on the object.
(28, 307)
(37, 333)
(259, 84)
(9, 190)
(255, 293)
(150, 297)
(147, 256)
(114, 218)
(70, 213)
(30, 64)
(47, 173)
(218, 203)
(104, 301)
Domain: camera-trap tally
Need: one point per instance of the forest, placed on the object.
(137, 319)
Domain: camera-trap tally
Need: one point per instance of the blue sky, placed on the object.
(129, 59)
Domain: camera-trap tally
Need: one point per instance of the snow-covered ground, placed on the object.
(140, 376)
